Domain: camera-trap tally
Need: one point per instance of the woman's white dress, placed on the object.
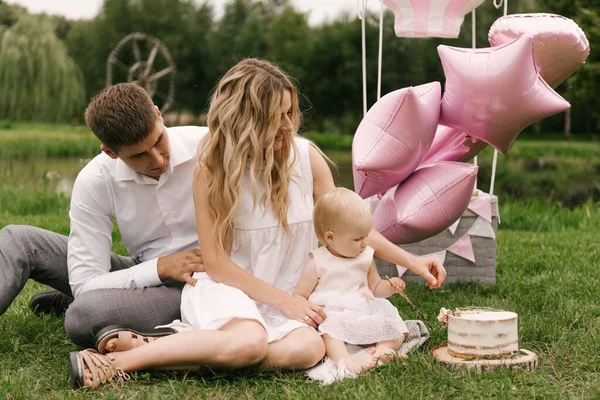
(354, 315)
(261, 247)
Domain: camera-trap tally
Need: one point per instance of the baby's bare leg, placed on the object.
(337, 351)
(387, 350)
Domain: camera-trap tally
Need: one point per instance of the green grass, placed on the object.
(564, 172)
(547, 272)
(31, 140)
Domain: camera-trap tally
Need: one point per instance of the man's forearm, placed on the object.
(137, 276)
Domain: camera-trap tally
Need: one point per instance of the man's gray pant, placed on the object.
(29, 252)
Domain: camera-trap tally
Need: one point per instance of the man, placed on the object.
(143, 181)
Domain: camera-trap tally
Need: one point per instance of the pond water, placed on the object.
(58, 174)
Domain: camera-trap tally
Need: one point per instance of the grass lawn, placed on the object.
(547, 272)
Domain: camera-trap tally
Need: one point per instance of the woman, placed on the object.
(254, 192)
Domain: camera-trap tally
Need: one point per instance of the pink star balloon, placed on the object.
(450, 144)
(393, 137)
(430, 18)
(492, 94)
(559, 45)
(426, 203)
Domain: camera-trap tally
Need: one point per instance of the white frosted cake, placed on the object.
(479, 333)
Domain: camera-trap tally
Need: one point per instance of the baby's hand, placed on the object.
(397, 284)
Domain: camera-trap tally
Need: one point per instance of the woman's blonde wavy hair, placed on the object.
(243, 119)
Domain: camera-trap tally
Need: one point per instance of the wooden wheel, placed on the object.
(144, 60)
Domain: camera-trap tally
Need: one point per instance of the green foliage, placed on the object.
(556, 171)
(38, 80)
(324, 59)
(181, 25)
(582, 87)
(10, 13)
(330, 141)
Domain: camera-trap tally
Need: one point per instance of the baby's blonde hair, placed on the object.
(338, 209)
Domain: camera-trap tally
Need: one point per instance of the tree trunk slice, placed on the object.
(526, 360)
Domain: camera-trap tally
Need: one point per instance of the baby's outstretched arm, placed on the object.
(382, 287)
(308, 280)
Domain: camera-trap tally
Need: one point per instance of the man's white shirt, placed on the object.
(155, 218)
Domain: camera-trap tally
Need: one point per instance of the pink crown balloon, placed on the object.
(425, 204)
(430, 18)
(393, 137)
(559, 45)
(491, 94)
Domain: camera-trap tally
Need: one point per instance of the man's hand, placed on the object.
(430, 269)
(180, 266)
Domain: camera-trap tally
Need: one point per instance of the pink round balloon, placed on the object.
(425, 204)
(450, 144)
(393, 137)
(430, 18)
(559, 45)
(492, 94)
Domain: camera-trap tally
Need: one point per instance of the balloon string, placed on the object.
(474, 45)
(362, 17)
(361, 9)
(380, 57)
(495, 159)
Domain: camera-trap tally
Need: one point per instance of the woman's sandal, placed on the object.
(102, 368)
(127, 338)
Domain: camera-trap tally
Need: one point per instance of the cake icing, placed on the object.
(478, 333)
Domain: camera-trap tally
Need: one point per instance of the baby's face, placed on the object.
(350, 241)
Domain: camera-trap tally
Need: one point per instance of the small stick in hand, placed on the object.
(410, 303)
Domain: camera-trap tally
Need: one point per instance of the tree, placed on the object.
(38, 80)
(580, 89)
(181, 25)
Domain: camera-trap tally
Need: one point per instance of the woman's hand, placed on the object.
(431, 269)
(300, 309)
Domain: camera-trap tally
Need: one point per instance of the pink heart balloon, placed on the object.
(425, 204)
(492, 94)
(450, 144)
(559, 45)
(393, 137)
(430, 18)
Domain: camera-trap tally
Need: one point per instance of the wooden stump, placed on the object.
(524, 360)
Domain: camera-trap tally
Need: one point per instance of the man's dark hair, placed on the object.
(121, 115)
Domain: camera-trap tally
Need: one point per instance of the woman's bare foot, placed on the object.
(122, 338)
(361, 364)
(122, 341)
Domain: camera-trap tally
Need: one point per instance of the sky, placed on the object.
(320, 10)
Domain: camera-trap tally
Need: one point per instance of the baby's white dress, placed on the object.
(354, 315)
(261, 247)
